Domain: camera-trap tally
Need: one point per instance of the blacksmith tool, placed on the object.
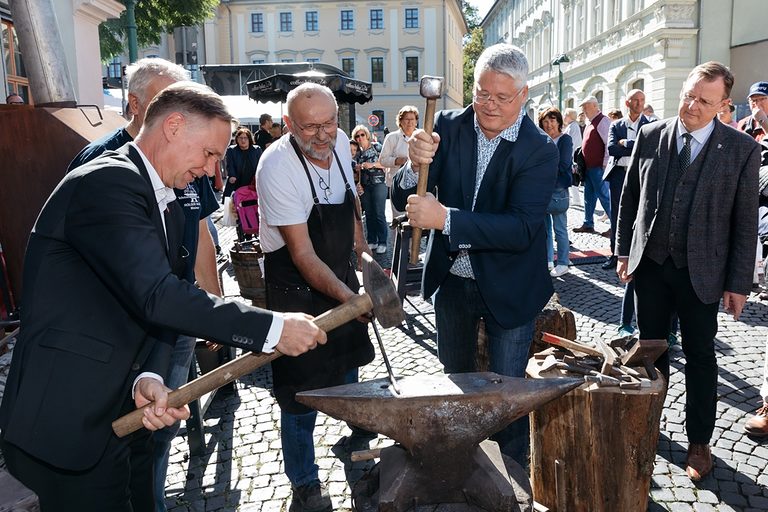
(440, 423)
(574, 346)
(380, 297)
(390, 373)
(645, 352)
(431, 88)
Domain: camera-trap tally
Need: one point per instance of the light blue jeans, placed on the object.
(595, 188)
(181, 359)
(558, 218)
(458, 309)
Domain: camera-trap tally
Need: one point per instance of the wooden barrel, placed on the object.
(248, 272)
(593, 449)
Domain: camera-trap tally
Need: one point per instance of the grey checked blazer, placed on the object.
(722, 231)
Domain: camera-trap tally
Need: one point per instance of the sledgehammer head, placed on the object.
(431, 87)
(380, 288)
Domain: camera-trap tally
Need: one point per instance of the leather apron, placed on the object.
(331, 229)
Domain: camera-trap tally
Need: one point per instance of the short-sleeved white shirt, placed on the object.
(285, 197)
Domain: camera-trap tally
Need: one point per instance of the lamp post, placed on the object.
(560, 59)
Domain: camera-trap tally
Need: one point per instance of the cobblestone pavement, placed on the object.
(242, 468)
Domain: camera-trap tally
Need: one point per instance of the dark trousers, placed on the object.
(615, 182)
(120, 482)
(661, 291)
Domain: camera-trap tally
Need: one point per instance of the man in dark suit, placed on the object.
(687, 231)
(486, 258)
(621, 140)
(102, 309)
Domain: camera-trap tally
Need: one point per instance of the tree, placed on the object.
(473, 47)
(153, 18)
(470, 14)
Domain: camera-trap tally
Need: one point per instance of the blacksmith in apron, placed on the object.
(309, 227)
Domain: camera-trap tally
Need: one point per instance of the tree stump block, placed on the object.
(594, 448)
(554, 318)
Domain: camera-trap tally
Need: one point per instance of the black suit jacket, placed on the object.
(100, 304)
(619, 130)
(504, 233)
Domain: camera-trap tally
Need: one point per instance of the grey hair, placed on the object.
(308, 90)
(142, 72)
(188, 99)
(570, 112)
(503, 58)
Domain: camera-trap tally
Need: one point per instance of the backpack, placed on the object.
(247, 206)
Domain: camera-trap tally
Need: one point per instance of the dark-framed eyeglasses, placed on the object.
(312, 129)
(483, 98)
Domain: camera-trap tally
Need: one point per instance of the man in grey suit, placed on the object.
(687, 229)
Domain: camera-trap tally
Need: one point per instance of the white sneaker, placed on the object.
(373, 246)
(381, 249)
(550, 266)
(559, 271)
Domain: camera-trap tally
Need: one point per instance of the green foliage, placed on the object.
(473, 47)
(153, 18)
(470, 14)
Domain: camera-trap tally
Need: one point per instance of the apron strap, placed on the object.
(306, 169)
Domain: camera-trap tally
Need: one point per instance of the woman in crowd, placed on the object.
(394, 152)
(551, 121)
(374, 198)
(241, 161)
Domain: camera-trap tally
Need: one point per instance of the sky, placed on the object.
(482, 6)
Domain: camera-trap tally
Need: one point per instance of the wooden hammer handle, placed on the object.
(243, 365)
(570, 345)
(421, 185)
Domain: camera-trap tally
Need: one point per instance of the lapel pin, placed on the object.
(719, 146)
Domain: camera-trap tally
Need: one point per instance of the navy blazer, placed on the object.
(618, 131)
(504, 233)
(100, 305)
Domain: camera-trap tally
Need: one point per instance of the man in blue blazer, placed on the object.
(621, 140)
(494, 172)
(101, 310)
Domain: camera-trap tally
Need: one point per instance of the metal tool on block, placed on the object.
(380, 297)
(431, 88)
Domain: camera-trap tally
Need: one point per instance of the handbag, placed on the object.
(229, 217)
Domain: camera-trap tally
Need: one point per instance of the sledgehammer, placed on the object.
(380, 297)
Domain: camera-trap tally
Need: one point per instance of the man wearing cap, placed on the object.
(594, 147)
(755, 125)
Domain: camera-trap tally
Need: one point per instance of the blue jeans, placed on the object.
(595, 188)
(558, 218)
(296, 438)
(458, 309)
(374, 202)
(178, 372)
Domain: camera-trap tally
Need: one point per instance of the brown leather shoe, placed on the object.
(757, 425)
(607, 233)
(699, 461)
(584, 229)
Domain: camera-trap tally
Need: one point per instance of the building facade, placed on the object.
(79, 29)
(613, 46)
(389, 43)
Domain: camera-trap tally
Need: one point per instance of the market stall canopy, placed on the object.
(230, 79)
(277, 86)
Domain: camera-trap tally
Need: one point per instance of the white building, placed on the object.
(617, 45)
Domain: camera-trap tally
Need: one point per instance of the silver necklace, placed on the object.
(325, 185)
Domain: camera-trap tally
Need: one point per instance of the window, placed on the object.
(411, 69)
(16, 74)
(114, 70)
(377, 69)
(377, 19)
(599, 96)
(411, 18)
(598, 19)
(348, 66)
(311, 18)
(347, 20)
(257, 22)
(286, 22)
(313, 60)
(286, 60)
(638, 84)
(257, 61)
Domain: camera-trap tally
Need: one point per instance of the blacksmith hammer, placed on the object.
(645, 352)
(380, 297)
(431, 88)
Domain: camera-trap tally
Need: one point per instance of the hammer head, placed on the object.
(431, 87)
(380, 288)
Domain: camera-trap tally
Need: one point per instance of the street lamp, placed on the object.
(560, 59)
